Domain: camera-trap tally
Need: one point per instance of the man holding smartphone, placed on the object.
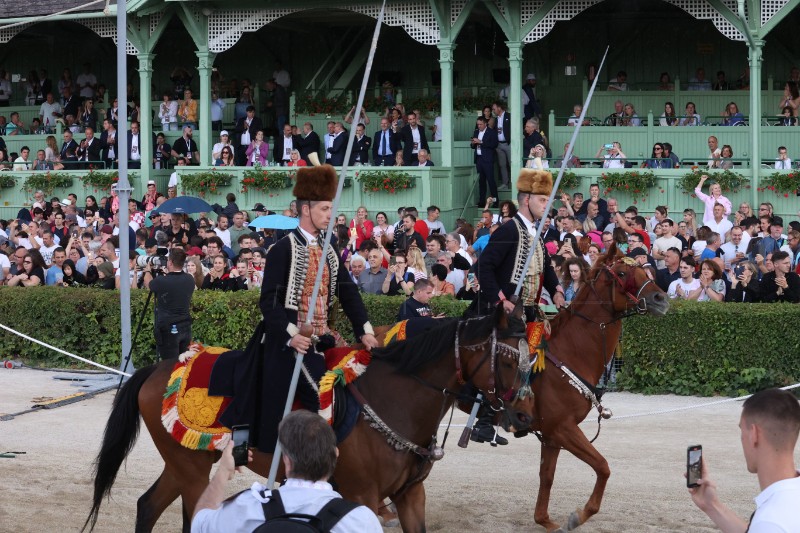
(769, 425)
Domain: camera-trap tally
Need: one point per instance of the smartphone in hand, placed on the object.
(694, 465)
(241, 442)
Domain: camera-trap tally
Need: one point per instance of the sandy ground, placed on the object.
(472, 490)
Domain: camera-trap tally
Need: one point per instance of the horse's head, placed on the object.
(631, 288)
(500, 362)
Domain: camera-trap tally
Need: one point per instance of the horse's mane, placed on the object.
(410, 355)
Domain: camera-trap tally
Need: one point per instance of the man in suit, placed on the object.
(108, 143)
(413, 137)
(484, 142)
(69, 145)
(245, 132)
(361, 146)
(385, 145)
(90, 150)
(338, 146)
(327, 140)
(423, 159)
(135, 141)
(503, 151)
(284, 144)
(308, 142)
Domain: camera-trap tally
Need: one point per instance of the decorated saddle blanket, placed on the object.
(191, 415)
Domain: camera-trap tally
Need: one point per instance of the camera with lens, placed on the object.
(157, 263)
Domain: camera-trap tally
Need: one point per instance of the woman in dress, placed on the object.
(217, 277)
(791, 98)
(225, 158)
(536, 158)
(732, 116)
(668, 117)
(416, 263)
(726, 162)
(575, 272)
(441, 286)
(362, 226)
(258, 151)
(295, 160)
(713, 288)
(657, 159)
(51, 153)
(714, 197)
(168, 112)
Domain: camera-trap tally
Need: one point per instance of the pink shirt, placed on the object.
(709, 201)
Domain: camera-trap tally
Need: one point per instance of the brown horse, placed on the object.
(583, 340)
(409, 385)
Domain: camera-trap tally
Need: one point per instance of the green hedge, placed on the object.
(698, 348)
(86, 322)
(710, 348)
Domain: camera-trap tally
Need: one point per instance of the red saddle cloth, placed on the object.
(191, 416)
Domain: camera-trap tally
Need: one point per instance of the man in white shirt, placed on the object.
(720, 224)
(783, 162)
(769, 426)
(735, 249)
(665, 242)
(49, 112)
(613, 158)
(329, 139)
(434, 224)
(309, 457)
(22, 163)
(715, 152)
(222, 230)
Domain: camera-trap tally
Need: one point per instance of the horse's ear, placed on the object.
(612, 253)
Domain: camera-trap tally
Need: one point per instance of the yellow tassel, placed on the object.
(538, 365)
(190, 439)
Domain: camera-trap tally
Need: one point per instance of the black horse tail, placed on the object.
(121, 432)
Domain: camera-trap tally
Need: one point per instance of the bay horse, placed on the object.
(410, 384)
(579, 352)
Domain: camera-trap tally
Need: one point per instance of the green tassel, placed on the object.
(339, 380)
(205, 441)
(172, 389)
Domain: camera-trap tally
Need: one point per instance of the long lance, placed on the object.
(298, 362)
(561, 170)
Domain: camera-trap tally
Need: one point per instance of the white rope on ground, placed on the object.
(666, 411)
(695, 406)
(59, 350)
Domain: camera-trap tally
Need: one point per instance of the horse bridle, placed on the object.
(627, 287)
(521, 355)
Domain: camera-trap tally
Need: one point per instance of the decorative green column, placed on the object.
(146, 114)
(755, 48)
(515, 108)
(446, 66)
(204, 66)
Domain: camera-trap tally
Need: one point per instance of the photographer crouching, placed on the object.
(173, 291)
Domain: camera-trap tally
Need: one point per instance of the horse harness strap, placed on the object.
(397, 441)
(587, 390)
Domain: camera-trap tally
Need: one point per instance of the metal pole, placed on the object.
(123, 185)
(298, 363)
(561, 170)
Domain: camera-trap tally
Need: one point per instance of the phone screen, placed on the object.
(392, 261)
(241, 439)
(694, 465)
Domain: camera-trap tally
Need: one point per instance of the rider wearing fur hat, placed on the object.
(502, 265)
(286, 292)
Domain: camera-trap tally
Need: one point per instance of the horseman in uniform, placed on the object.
(502, 264)
(286, 292)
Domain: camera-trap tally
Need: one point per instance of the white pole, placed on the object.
(123, 185)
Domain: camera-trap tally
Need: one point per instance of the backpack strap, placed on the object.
(274, 507)
(333, 511)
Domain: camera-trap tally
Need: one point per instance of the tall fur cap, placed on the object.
(535, 181)
(316, 183)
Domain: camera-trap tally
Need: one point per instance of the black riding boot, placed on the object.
(484, 430)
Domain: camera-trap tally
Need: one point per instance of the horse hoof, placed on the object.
(574, 521)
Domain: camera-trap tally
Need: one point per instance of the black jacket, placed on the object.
(407, 137)
(308, 145)
(361, 148)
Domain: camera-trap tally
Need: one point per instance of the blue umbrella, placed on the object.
(274, 222)
(184, 205)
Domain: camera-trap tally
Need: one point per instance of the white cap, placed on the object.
(531, 76)
(223, 132)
